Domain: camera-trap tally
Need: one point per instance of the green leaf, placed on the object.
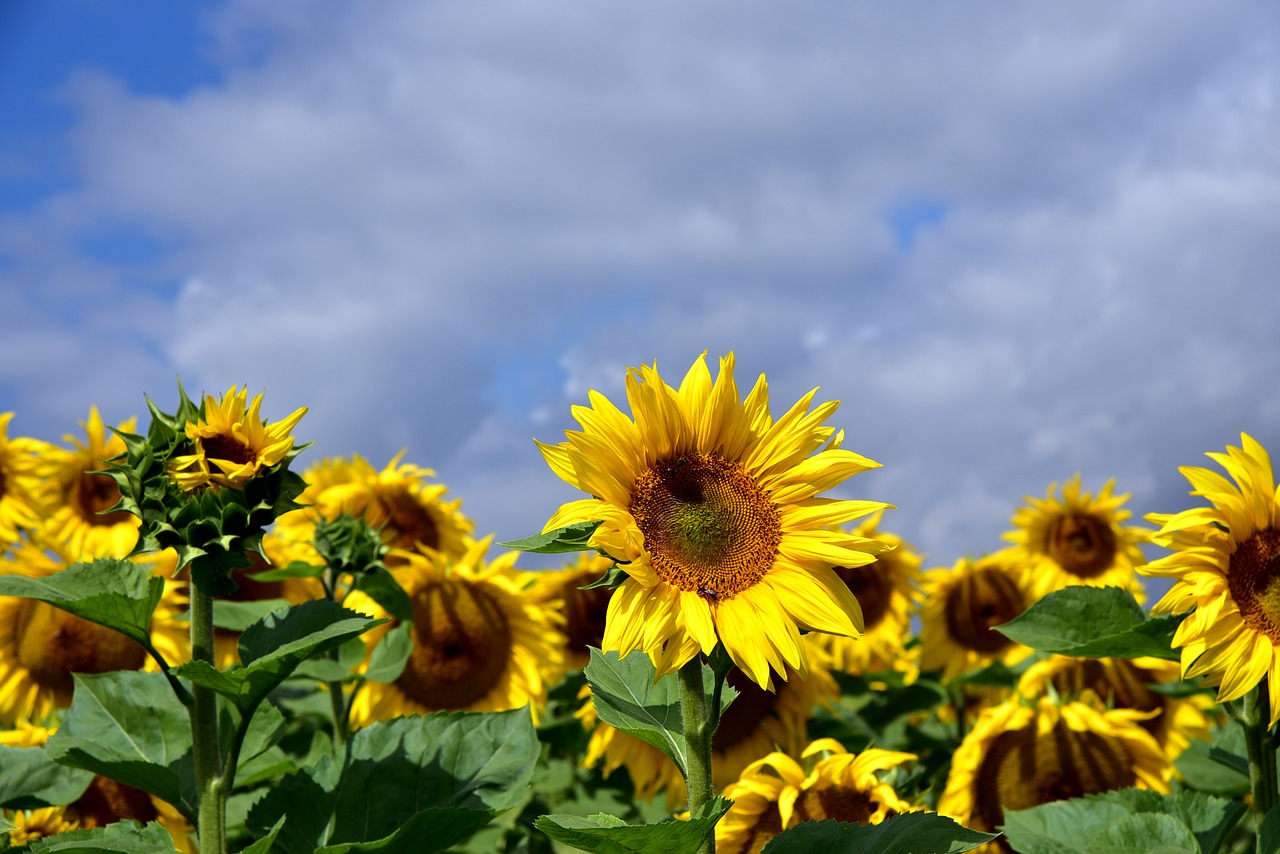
(1201, 770)
(389, 657)
(381, 586)
(236, 616)
(264, 845)
(613, 576)
(296, 569)
(1146, 833)
(627, 698)
(6, 825)
(1093, 622)
(607, 834)
(997, 674)
(29, 779)
(907, 833)
(403, 777)
(115, 593)
(125, 837)
(129, 726)
(1269, 833)
(572, 538)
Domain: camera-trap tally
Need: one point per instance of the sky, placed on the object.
(1016, 241)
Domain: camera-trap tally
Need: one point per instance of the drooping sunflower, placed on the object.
(22, 488)
(962, 605)
(886, 590)
(41, 646)
(232, 444)
(1225, 565)
(712, 506)
(1018, 756)
(480, 642)
(1124, 683)
(584, 610)
(1077, 539)
(74, 508)
(775, 794)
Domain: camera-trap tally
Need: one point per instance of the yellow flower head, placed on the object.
(712, 507)
(233, 444)
(22, 488)
(584, 610)
(1225, 565)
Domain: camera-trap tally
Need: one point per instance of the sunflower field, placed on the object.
(203, 649)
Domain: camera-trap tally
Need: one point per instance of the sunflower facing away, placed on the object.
(712, 507)
(1226, 565)
(233, 444)
(1078, 540)
(775, 793)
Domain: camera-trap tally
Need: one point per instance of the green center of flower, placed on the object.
(94, 493)
(1082, 544)
(708, 526)
(976, 604)
(871, 586)
(461, 645)
(1253, 578)
(52, 644)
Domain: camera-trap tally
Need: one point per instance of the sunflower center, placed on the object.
(841, 803)
(584, 615)
(708, 526)
(1023, 769)
(95, 493)
(1119, 683)
(767, 826)
(1082, 544)
(226, 448)
(741, 720)
(409, 524)
(1253, 578)
(4, 482)
(870, 585)
(52, 644)
(106, 801)
(461, 645)
(979, 602)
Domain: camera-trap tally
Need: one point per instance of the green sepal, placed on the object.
(613, 576)
(350, 545)
(571, 538)
(608, 834)
(914, 832)
(1093, 622)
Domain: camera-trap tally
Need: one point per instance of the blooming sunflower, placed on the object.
(885, 590)
(1018, 756)
(75, 506)
(1078, 540)
(584, 610)
(480, 642)
(962, 605)
(775, 793)
(41, 646)
(22, 489)
(1225, 565)
(232, 444)
(1124, 683)
(712, 506)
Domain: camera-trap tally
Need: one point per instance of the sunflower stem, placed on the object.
(698, 729)
(211, 820)
(1255, 721)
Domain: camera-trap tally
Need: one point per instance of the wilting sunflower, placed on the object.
(1018, 756)
(480, 642)
(411, 510)
(75, 506)
(233, 444)
(775, 793)
(713, 507)
(886, 590)
(584, 610)
(41, 646)
(1125, 684)
(962, 605)
(22, 489)
(1078, 539)
(1226, 565)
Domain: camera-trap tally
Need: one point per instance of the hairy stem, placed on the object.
(1255, 721)
(698, 729)
(211, 823)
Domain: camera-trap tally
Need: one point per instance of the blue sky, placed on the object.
(1016, 242)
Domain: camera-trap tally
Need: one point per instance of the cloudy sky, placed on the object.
(1017, 241)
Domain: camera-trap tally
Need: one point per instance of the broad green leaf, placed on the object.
(430, 830)
(389, 657)
(908, 833)
(1269, 833)
(441, 764)
(124, 837)
(627, 698)
(115, 593)
(608, 834)
(1145, 833)
(129, 726)
(381, 586)
(330, 669)
(236, 616)
(613, 576)
(572, 538)
(29, 779)
(1202, 772)
(6, 825)
(1093, 622)
(264, 845)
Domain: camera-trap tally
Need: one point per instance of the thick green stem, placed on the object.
(697, 738)
(211, 823)
(1255, 721)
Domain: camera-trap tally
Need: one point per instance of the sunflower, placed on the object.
(1018, 756)
(41, 646)
(886, 590)
(75, 509)
(22, 489)
(232, 444)
(584, 610)
(1125, 684)
(713, 507)
(412, 511)
(1078, 540)
(480, 642)
(774, 794)
(962, 605)
(1225, 565)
